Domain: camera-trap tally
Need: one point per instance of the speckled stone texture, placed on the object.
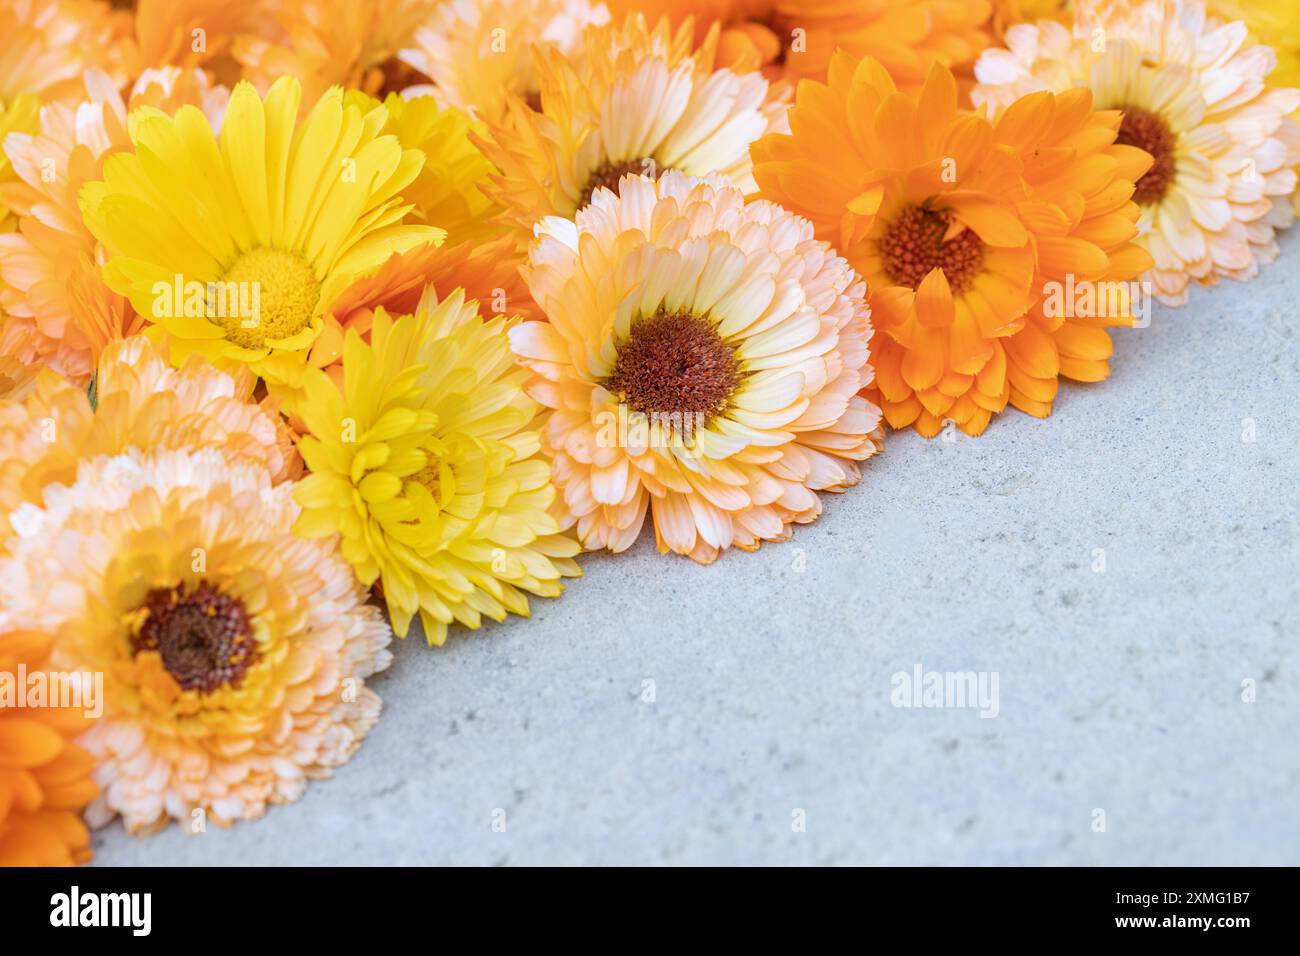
(1120, 690)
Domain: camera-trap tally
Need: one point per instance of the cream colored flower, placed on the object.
(702, 361)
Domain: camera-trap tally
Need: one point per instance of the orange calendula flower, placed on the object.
(1194, 94)
(45, 45)
(793, 39)
(323, 43)
(702, 360)
(141, 401)
(480, 52)
(968, 232)
(234, 654)
(45, 778)
(639, 100)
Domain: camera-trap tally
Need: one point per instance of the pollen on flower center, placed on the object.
(203, 636)
(608, 175)
(1147, 131)
(675, 363)
(914, 244)
(287, 291)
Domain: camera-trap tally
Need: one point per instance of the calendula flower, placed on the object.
(324, 43)
(1277, 25)
(44, 776)
(793, 39)
(1192, 90)
(479, 52)
(702, 360)
(961, 227)
(235, 247)
(185, 33)
(45, 45)
(639, 100)
(424, 460)
(59, 311)
(141, 401)
(448, 192)
(233, 652)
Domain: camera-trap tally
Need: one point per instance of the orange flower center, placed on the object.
(1148, 131)
(608, 175)
(915, 243)
(675, 363)
(203, 636)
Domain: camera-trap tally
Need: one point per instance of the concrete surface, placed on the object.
(1120, 690)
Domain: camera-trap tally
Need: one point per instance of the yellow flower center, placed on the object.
(914, 244)
(282, 289)
(1148, 131)
(203, 636)
(675, 363)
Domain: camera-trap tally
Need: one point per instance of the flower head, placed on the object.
(60, 312)
(323, 43)
(479, 52)
(235, 247)
(1192, 92)
(423, 457)
(44, 776)
(234, 653)
(638, 100)
(141, 402)
(960, 227)
(46, 45)
(701, 361)
(794, 39)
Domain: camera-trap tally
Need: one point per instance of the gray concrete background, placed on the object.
(1119, 690)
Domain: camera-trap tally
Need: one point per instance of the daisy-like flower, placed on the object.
(638, 100)
(352, 43)
(1278, 26)
(791, 39)
(185, 33)
(141, 402)
(236, 246)
(44, 777)
(45, 45)
(962, 229)
(234, 653)
(424, 459)
(479, 52)
(1192, 90)
(702, 362)
(59, 311)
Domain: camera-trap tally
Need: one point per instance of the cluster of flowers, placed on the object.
(305, 300)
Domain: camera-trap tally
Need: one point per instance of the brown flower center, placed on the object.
(609, 174)
(393, 76)
(675, 363)
(1148, 131)
(203, 636)
(914, 244)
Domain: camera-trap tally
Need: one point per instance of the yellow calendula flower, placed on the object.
(234, 246)
(424, 459)
(19, 115)
(448, 191)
